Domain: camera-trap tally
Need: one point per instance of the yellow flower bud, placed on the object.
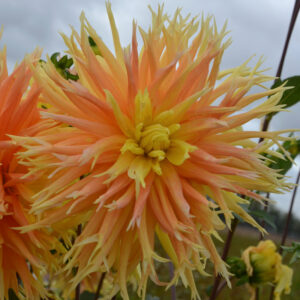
(264, 265)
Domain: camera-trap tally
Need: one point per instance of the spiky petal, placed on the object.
(18, 116)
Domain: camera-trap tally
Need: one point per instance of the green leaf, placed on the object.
(237, 266)
(87, 296)
(12, 295)
(295, 257)
(291, 96)
(68, 75)
(263, 215)
(209, 289)
(53, 58)
(92, 42)
(62, 62)
(244, 279)
(69, 63)
(295, 249)
(62, 66)
(94, 46)
(293, 147)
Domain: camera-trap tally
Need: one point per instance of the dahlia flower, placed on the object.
(264, 266)
(18, 116)
(148, 144)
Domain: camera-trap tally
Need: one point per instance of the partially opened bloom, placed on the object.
(264, 266)
(149, 144)
(18, 115)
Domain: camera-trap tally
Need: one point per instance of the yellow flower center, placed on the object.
(150, 138)
(152, 141)
(155, 139)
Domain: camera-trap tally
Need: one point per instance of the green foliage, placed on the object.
(62, 66)
(87, 296)
(238, 268)
(290, 96)
(294, 249)
(12, 295)
(263, 216)
(293, 147)
(94, 46)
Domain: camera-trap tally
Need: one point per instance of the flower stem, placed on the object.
(226, 248)
(265, 127)
(263, 223)
(288, 220)
(283, 55)
(257, 290)
(77, 290)
(221, 287)
(99, 286)
(173, 287)
(267, 119)
(290, 30)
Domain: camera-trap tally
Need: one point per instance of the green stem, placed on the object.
(77, 290)
(173, 287)
(289, 217)
(263, 223)
(257, 290)
(99, 286)
(226, 248)
(221, 287)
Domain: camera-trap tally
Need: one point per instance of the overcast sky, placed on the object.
(257, 27)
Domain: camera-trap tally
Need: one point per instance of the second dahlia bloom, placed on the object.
(264, 266)
(20, 254)
(149, 144)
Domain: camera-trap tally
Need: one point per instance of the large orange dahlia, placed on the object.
(148, 143)
(20, 254)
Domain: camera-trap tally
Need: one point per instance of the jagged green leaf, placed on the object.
(294, 249)
(293, 147)
(62, 66)
(62, 62)
(71, 76)
(53, 58)
(264, 216)
(69, 63)
(290, 96)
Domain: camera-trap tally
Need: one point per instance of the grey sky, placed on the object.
(257, 27)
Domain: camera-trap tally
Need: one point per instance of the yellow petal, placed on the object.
(283, 281)
(139, 169)
(179, 152)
